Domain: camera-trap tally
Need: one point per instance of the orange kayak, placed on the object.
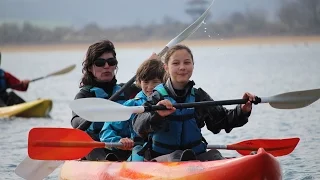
(261, 166)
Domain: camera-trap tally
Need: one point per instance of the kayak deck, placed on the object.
(262, 166)
(36, 108)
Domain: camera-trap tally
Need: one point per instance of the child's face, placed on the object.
(148, 86)
(180, 66)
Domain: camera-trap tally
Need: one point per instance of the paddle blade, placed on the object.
(191, 29)
(43, 135)
(276, 147)
(102, 110)
(36, 169)
(63, 71)
(293, 100)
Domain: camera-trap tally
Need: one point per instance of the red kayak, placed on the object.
(260, 166)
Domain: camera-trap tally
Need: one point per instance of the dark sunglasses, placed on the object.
(100, 62)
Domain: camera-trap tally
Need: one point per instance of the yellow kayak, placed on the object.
(36, 108)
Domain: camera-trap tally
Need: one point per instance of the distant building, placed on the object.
(196, 8)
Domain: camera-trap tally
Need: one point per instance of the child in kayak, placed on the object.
(149, 75)
(175, 135)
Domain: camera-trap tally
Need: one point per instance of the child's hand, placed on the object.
(127, 143)
(168, 105)
(248, 106)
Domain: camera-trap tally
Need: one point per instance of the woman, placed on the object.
(175, 135)
(99, 69)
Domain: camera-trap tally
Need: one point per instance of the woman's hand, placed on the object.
(248, 106)
(154, 56)
(168, 105)
(127, 143)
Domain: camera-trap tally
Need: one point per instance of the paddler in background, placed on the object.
(99, 69)
(149, 74)
(176, 134)
(7, 80)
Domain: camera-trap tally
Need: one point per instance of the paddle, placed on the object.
(182, 36)
(102, 110)
(59, 72)
(70, 144)
(31, 169)
(276, 147)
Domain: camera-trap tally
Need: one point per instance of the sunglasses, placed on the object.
(100, 62)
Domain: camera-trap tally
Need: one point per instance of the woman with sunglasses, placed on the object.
(99, 68)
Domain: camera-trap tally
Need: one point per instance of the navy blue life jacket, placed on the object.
(3, 82)
(181, 131)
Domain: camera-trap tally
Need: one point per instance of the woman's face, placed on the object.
(106, 72)
(180, 67)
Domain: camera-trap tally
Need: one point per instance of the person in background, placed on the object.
(149, 75)
(8, 81)
(99, 69)
(176, 133)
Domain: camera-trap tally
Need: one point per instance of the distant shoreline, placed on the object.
(148, 44)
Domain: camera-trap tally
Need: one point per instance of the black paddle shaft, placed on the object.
(203, 103)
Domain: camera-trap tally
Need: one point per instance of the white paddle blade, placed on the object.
(191, 29)
(293, 100)
(30, 169)
(63, 71)
(103, 110)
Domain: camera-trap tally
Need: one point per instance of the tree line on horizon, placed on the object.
(296, 17)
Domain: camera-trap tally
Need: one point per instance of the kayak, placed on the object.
(260, 166)
(36, 108)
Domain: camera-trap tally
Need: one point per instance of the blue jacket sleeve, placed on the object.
(114, 131)
(110, 131)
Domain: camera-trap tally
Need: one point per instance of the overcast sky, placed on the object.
(114, 13)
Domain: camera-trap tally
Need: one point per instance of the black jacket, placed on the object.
(215, 118)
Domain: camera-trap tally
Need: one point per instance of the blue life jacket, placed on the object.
(96, 127)
(138, 100)
(180, 131)
(3, 82)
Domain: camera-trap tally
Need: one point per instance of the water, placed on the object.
(224, 72)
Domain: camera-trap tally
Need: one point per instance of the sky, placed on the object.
(117, 13)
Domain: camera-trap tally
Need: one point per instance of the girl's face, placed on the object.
(148, 86)
(180, 67)
(104, 67)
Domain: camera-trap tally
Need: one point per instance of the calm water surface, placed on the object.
(224, 72)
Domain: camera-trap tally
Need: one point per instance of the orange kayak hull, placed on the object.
(261, 166)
